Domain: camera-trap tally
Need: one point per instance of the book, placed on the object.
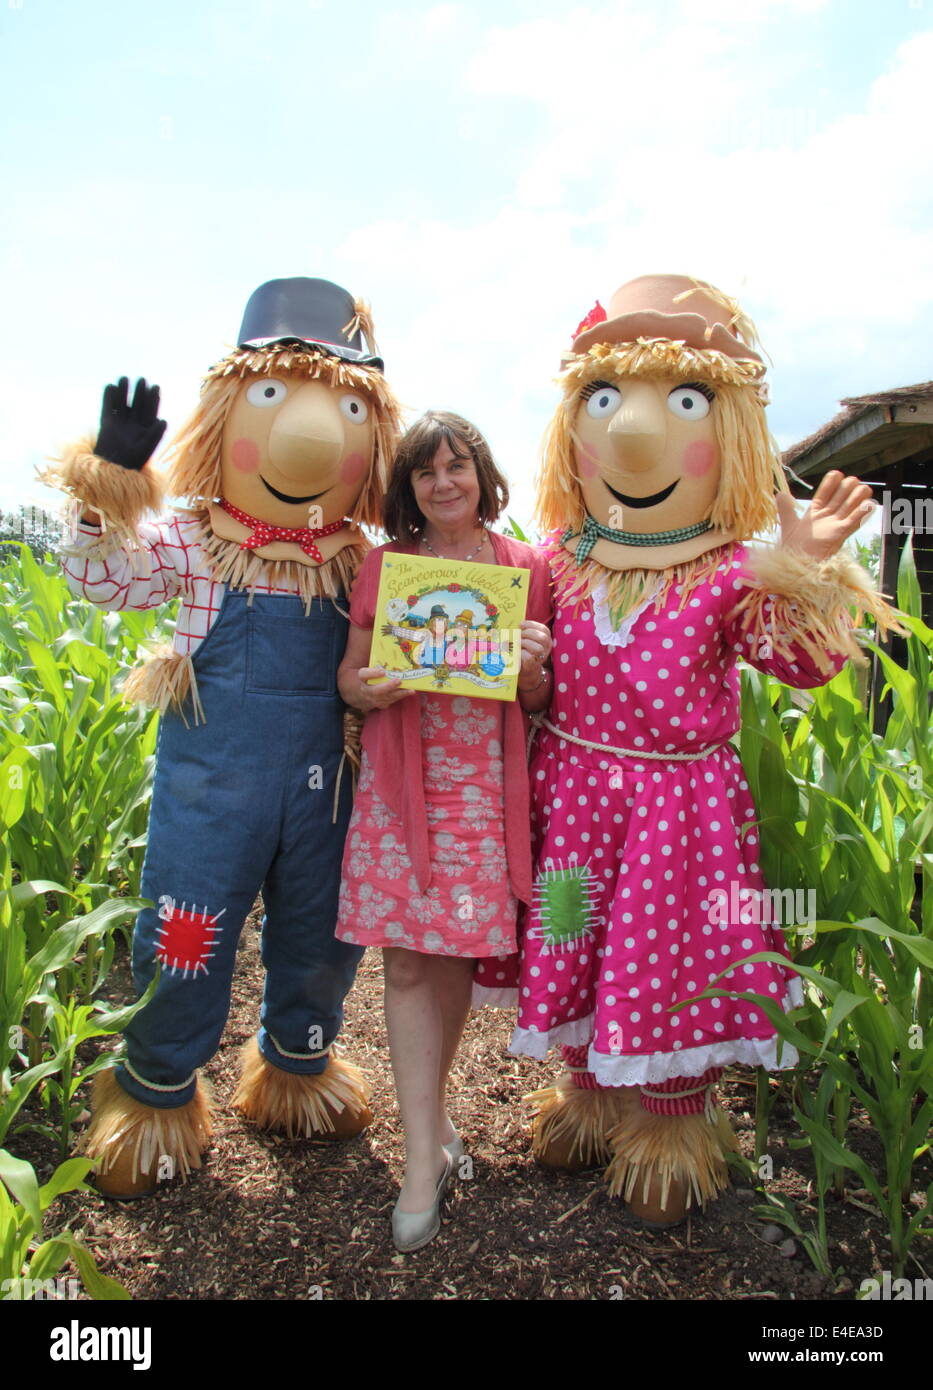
(450, 625)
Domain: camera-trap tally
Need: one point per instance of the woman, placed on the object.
(438, 851)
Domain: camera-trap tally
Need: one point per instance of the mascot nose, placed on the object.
(307, 436)
(638, 431)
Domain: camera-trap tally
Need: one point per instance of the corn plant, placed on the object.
(849, 814)
(75, 761)
(25, 1262)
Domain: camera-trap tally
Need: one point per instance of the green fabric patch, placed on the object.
(564, 898)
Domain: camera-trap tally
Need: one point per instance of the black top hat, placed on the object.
(300, 310)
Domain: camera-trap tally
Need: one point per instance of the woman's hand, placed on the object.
(534, 680)
(365, 697)
(536, 648)
(839, 507)
(352, 676)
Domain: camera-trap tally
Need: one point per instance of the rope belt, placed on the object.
(629, 752)
(666, 1095)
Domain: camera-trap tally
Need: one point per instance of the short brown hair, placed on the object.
(402, 518)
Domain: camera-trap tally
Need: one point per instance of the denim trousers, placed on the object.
(241, 802)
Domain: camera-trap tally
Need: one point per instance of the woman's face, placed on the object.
(447, 490)
(646, 452)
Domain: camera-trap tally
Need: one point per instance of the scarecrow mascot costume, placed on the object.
(283, 459)
(658, 464)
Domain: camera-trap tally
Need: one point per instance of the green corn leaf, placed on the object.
(919, 946)
(62, 946)
(68, 1177)
(49, 1258)
(838, 1156)
(99, 1286)
(20, 1177)
(843, 1005)
(22, 894)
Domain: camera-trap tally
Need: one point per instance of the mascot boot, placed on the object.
(137, 1146)
(575, 1117)
(332, 1105)
(669, 1152)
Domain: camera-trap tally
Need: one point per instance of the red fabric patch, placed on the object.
(186, 937)
(596, 315)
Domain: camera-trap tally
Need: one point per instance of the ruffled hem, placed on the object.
(650, 1068)
(484, 997)
(526, 1042)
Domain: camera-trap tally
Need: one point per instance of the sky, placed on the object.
(481, 173)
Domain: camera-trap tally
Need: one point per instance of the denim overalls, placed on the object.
(240, 803)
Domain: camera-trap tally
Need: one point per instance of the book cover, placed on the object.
(451, 626)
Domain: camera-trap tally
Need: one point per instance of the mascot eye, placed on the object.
(354, 408)
(690, 402)
(602, 400)
(267, 392)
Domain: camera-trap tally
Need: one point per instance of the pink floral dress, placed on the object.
(468, 910)
(647, 881)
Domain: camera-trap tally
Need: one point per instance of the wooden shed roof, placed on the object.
(869, 434)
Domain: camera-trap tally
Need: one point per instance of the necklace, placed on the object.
(427, 544)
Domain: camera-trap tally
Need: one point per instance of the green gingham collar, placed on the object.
(593, 531)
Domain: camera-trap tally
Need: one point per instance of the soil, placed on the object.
(271, 1219)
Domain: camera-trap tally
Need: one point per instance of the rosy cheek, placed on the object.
(245, 455)
(699, 457)
(352, 469)
(587, 460)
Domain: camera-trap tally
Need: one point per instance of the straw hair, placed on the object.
(751, 471)
(362, 322)
(195, 455)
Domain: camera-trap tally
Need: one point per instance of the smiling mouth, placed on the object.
(284, 497)
(651, 501)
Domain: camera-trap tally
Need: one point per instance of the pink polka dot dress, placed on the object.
(647, 880)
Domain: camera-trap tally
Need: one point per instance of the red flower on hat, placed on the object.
(596, 315)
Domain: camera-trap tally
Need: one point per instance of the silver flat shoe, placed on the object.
(412, 1229)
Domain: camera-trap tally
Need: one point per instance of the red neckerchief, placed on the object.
(263, 532)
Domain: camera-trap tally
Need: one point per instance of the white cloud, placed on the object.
(443, 19)
(821, 229)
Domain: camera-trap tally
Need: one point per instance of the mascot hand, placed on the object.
(839, 507)
(129, 434)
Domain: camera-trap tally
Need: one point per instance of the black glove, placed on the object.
(129, 434)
